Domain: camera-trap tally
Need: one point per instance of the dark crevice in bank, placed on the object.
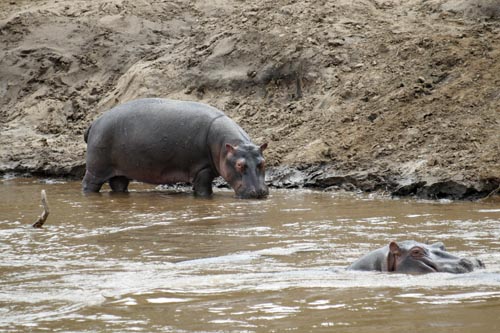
(68, 172)
(321, 177)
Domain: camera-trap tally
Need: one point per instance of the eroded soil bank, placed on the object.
(399, 96)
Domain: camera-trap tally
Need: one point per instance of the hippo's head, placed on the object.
(416, 258)
(243, 167)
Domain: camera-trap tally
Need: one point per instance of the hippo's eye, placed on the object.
(417, 252)
(261, 165)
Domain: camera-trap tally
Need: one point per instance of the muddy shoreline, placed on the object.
(374, 95)
(327, 178)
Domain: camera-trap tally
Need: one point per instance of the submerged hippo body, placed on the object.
(161, 141)
(414, 258)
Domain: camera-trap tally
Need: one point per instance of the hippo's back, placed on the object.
(158, 135)
(147, 119)
(148, 110)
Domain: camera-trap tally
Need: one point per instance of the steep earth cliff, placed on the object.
(401, 96)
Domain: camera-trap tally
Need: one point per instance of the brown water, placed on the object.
(163, 261)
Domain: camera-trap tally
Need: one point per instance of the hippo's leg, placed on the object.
(119, 184)
(202, 184)
(91, 183)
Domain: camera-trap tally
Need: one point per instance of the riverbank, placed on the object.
(396, 96)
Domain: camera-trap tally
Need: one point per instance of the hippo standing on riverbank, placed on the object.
(162, 141)
(414, 258)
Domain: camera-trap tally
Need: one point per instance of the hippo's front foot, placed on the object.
(202, 185)
(91, 184)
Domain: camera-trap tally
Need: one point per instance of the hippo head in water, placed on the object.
(412, 257)
(243, 167)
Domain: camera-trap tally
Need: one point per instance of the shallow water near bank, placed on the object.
(164, 261)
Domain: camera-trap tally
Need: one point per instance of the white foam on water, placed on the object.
(163, 300)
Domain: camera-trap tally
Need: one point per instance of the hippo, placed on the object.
(412, 257)
(161, 141)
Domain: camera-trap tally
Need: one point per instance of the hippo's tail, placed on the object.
(86, 134)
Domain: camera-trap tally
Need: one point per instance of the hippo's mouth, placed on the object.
(245, 195)
(430, 265)
(242, 193)
(460, 266)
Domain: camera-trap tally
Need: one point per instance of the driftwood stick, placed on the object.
(42, 218)
(492, 193)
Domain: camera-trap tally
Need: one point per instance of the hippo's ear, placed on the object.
(394, 248)
(392, 261)
(230, 148)
(263, 147)
(439, 245)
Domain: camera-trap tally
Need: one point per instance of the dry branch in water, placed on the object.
(42, 218)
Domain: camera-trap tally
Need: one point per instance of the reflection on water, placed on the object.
(163, 261)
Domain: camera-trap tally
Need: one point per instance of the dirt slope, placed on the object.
(401, 96)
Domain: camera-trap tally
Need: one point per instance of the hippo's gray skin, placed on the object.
(161, 141)
(412, 257)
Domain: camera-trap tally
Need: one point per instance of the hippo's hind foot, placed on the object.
(90, 183)
(202, 184)
(119, 184)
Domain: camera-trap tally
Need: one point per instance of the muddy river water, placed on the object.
(164, 261)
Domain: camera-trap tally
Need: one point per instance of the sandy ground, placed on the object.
(402, 96)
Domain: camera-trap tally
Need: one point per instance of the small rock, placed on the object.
(336, 42)
(251, 73)
(372, 117)
(335, 60)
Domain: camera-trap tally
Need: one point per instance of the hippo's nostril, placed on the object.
(472, 263)
(467, 264)
(252, 193)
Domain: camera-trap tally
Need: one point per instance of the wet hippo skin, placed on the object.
(162, 141)
(414, 258)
